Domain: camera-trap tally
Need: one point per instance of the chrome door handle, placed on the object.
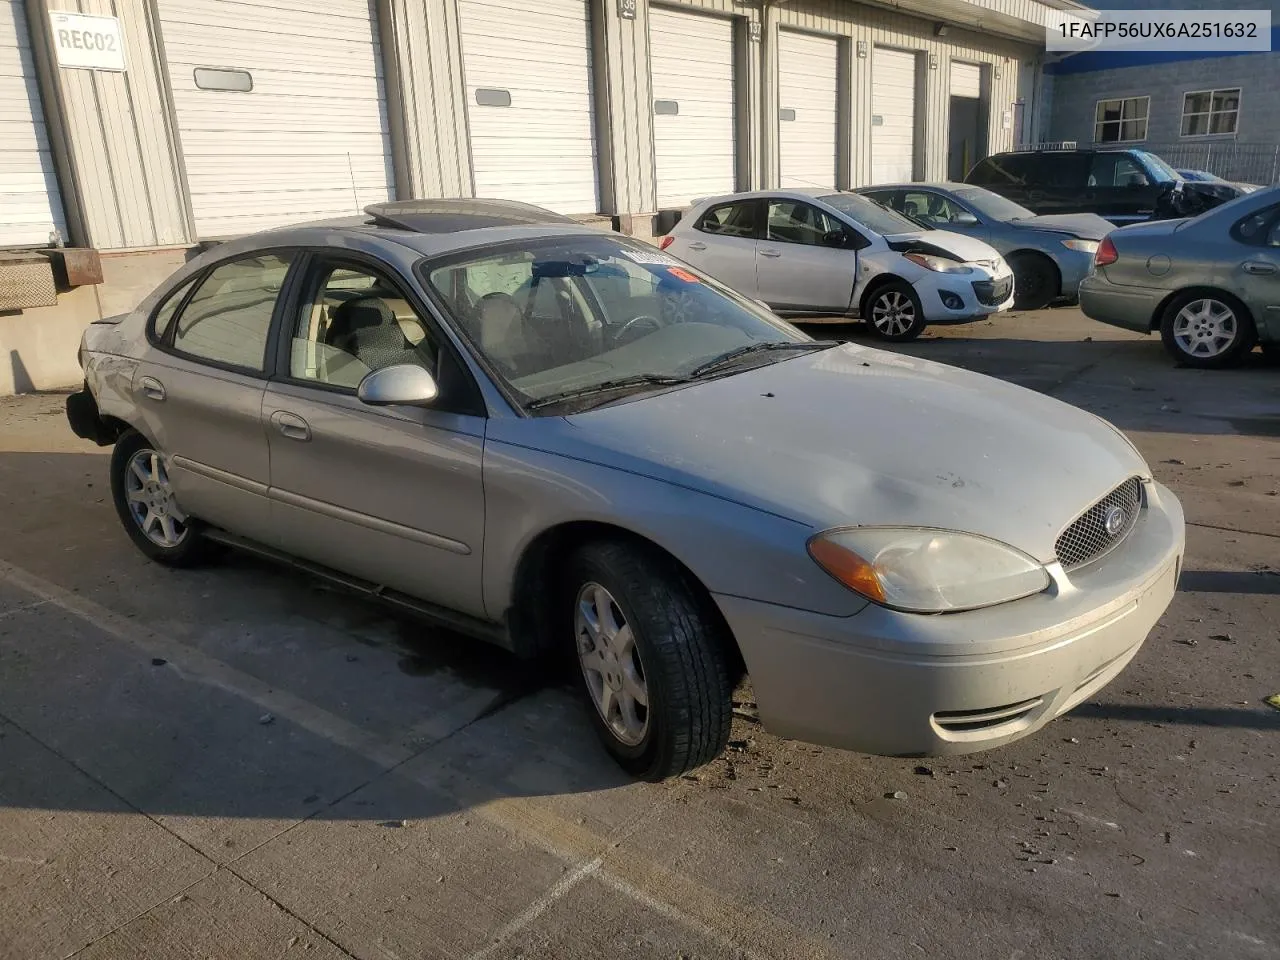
(770, 253)
(1258, 269)
(291, 425)
(152, 388)
(697, 245)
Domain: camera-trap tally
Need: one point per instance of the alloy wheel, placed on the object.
(1205, 328)
(893, 313)
(151, 501)
(611, 664)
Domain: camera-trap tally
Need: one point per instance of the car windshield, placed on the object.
(1162, 171)
(876, 218)
(992, 205)
(555, 317)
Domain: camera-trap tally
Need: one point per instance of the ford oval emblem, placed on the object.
(1114, 521)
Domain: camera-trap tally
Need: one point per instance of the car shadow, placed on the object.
(1261, 718)
(1265, 582)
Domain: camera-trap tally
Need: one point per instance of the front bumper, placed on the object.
(1121, 306)
(912, 685)
(960, 289)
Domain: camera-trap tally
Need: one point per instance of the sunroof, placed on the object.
(452, 216)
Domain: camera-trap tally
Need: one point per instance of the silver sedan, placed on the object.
(488, 415)
(1049, 255)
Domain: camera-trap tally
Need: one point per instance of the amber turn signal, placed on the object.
(847, 567)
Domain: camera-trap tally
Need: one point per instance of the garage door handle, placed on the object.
(696, 245)
(770, 253)
(1257, 268)
(152, 388)
(291, 425)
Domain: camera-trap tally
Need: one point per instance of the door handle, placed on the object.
(697, 245)
(1035, 195)
(1257, 268)
(770, 253)
(152, 388)
(291, 425)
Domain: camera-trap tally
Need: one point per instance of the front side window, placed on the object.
(354, 322)
(1116, 170)
(1121, 121)
(553, 316)
(1209, 112)
(228, 318)
(791, 221)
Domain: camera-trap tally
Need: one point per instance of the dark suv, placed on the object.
(1124, 186)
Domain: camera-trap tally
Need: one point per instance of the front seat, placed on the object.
(367, 329)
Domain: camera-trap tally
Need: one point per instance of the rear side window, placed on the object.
(1011, 169)
(163, 318)
(228, 318)
(1067, 171)
(730, 220)
(1260, 229)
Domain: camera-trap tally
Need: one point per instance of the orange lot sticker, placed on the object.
(684, 275)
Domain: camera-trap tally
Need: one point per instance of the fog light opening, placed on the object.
(952, 301)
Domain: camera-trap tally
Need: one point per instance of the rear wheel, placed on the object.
(147, 507)
(1207, 329)
(652, 660)
(893, 312)
(1035, 281)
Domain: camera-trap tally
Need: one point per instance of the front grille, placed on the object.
(992, 293)
(1102, 527)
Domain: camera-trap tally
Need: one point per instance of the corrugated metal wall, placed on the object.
(118, 137)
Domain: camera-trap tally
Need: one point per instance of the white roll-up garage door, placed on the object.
(529, 108)
(808, 69)
(281, 110)
(29, 206)
(893, 116)
(694, 135)
(966, 80)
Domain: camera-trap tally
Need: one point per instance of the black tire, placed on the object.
(1036, 281)
(682, 658)
(192, 546)
(891, 298)
(1177, 332)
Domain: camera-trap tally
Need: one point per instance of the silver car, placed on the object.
(1049, 255)
(566, 442)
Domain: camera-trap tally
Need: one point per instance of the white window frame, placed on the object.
(1209, 114)
(1145, 119)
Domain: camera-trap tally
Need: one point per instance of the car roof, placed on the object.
(792, 193)
(935, 185)
(434, 227)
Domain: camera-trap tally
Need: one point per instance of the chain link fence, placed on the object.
(1241, 162)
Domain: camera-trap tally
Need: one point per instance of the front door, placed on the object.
(797, 267)
(199, 391)
(391, 495)
(1119, 188)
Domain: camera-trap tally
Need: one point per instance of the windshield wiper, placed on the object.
(606, 386)
(761, 347)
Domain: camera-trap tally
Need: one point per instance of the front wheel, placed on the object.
(1207, 330)
(894, 312)
(652, 659)
(1035, 281)
(147, 507)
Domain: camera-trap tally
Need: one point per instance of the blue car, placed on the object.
(1049, 255)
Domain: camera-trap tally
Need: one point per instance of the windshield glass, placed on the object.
(559, 315)
(992, 205)
(871, 215)
(1163, 172)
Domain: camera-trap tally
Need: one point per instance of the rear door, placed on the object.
(797, 266)
(1059, 183)
(722, 243)
(1255, 272)
(199, 390)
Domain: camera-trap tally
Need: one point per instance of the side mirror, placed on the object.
(835, 238)
(406, 384)
(965, 219)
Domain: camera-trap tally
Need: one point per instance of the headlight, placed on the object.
(1084, 246)
(925, 570)
(937, 264)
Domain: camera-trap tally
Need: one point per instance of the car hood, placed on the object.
(1087, 226)
(967, 249)
(855, 436)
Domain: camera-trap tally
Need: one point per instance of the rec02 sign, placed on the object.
(87, 43)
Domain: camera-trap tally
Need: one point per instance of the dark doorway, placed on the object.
(965, 144)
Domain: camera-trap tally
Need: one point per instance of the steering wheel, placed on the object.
(623, 334)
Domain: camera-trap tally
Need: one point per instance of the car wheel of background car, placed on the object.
(145, 502)
(652, 658)
(1035, 281)
(1207, 329)
(677, 306)
(893, 312)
